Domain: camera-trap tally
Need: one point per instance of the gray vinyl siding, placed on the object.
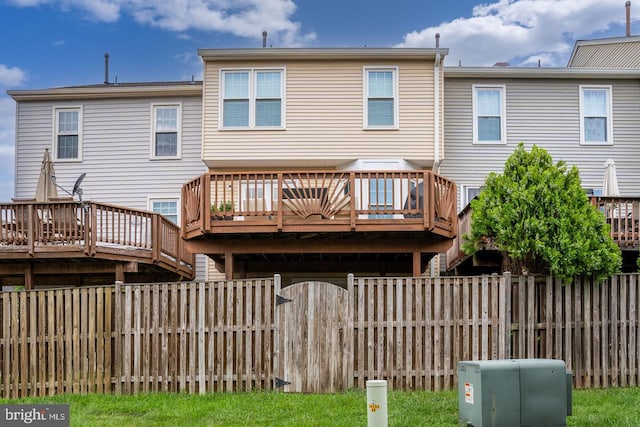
(116, 144)
(544, 112)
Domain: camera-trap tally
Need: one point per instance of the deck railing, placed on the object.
(621, 213)
(320, 200)
(29, 225)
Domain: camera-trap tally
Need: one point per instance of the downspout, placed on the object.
(436, 114)
(435, 262)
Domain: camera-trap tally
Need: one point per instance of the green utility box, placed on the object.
(514, 392)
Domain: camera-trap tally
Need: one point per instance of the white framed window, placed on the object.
(165, 207)
(67, 138)
(252, 99)
(595, 191)
(489, 115)
(596, 122)
(380, 98)
(469, 193)
(166, 131)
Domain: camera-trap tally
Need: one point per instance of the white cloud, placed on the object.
(11, 76)
(101, 10)
(243, 18)
(521, 30)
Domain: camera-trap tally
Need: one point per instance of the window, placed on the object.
(381, 93)
(380, 196)
(166, 131)
(595, 115)
(252, 99)
(67, 139)
(166, 207)
(489, 115)
(469, 194)
(595, 192)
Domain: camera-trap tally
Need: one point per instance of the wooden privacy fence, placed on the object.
(311, 336)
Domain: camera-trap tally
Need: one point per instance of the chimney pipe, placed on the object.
(437, 39)
(106, 68)
(264, 39)
(628, 6)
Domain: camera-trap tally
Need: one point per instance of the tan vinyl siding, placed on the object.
(324, 118)
(547, 113)
(116, 151)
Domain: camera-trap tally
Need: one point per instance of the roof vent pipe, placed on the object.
(628, 6)
(106, 68)
(437, 40)
(264, 39)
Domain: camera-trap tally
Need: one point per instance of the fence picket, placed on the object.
(219, 336)
(588, 343)
(634, 357)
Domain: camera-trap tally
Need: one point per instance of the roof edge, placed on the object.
(113, 90)
(264, 54)
(533, 73)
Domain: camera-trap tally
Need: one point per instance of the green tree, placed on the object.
(539, 217)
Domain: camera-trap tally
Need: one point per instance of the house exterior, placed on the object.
(137, 143)
(322, 161)
(583, 114)
(314, 163)
(542, 106)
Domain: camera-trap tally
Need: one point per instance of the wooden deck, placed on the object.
(621, 213)
(322, 212)
(72, 243)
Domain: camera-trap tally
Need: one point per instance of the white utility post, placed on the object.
(377, 403)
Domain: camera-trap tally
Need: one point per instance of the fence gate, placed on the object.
(313, 351)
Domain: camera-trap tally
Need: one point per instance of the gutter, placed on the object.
(540, 73)
(107, 91)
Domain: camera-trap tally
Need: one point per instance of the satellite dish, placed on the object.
(76, 186)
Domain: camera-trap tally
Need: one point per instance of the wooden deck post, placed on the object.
(228, 266)
(120, 272)
(417, 264)
(28, 277)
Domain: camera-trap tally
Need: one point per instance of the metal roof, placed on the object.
(618, 52)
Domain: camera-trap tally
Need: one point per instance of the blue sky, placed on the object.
(49, 43)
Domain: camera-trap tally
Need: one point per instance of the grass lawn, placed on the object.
(611, 407)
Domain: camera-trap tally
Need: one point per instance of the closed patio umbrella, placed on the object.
(46, 188)
(610, 187)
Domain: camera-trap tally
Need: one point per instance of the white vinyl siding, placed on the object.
(595, 115)
(252, 98)
(115, 151)
(67, 138)
(489, 115)
(381, 93)
(167, 130)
